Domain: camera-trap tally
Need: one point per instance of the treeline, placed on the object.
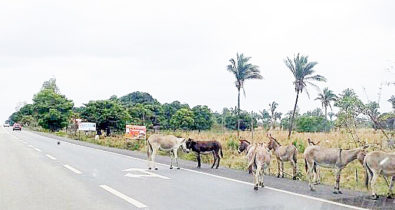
(53, 111)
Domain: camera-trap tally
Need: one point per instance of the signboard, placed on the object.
(86, 126)
(136, 132)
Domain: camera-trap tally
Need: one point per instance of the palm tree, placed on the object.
(243, 70)
(302, 71)
(273, 107)
(326, 97)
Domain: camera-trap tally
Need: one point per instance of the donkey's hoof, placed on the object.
(389, 196)
(278, 175)
(156, 168)
(340, 192)
(256, 187)
(171, 167)
(282, 176)
(312, 189)
(149, 168)
(178, 168)
(294, 178)
(335, 192)
(374, 197)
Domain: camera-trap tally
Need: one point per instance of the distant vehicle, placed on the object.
(17, 126)
(6, 125)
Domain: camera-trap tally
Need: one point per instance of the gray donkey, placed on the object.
(330, 158)
(283, 153)
(258, 160)
(168, 143)
(377, 163)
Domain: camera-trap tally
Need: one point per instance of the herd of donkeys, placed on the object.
(258, 155)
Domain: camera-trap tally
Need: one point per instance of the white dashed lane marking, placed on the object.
(72, 169)
(130, 200)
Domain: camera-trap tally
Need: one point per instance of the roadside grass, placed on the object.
(352, 177)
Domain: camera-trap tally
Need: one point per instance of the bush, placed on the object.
(299, 144)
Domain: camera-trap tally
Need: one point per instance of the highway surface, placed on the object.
(37, 173)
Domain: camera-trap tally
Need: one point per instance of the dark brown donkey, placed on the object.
(206, 147)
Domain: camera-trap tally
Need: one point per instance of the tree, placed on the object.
(51, 85)
(265, 116)
(106, 114)
(303, 73)
(348, 104)
(53, 110)
(326, 97)
(138, 98)
(182, 119)
(242, 70)
(273, 107)
(392, 101)
(169, 110)
(203, 118)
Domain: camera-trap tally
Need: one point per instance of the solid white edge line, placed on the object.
(130, 200)
(37, 149)
(50, 157)
(226, 178)
(72, 169)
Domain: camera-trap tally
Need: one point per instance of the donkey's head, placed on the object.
(272, 142)
(362, 153)
(182, 143)
(243, 145)
(189, 143)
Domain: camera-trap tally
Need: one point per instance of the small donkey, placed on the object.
(283, 153)
(258, 160)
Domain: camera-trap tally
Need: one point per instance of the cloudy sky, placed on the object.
(178, 50)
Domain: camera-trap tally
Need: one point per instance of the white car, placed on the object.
(6, 125)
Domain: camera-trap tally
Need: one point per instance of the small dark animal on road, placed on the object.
(206, 147)
(58, 142)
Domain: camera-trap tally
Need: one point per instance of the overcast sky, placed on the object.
(179, 50)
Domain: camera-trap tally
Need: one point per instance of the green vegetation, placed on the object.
(303, 71)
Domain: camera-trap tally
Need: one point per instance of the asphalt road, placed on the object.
(37, 173)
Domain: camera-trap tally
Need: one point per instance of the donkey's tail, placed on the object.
(305, 165)
(368, 174)
(149, 149)
(295, 156)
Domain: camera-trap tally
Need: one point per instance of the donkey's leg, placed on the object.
(278, 168)
(282, 169)
(257, 176)
(337, 185)
(261, 177)
(389, 195)
(171, 159)
(373, 185)
(198, 159)
(310, 166)
(293, 169)
(218, 159)
(153, 158)
(176, 157)
(215, 159)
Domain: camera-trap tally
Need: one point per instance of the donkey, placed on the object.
(258, 160)
(376, 163)
(206, 147)
(168, 143)
(283, 153)
(329, 158)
